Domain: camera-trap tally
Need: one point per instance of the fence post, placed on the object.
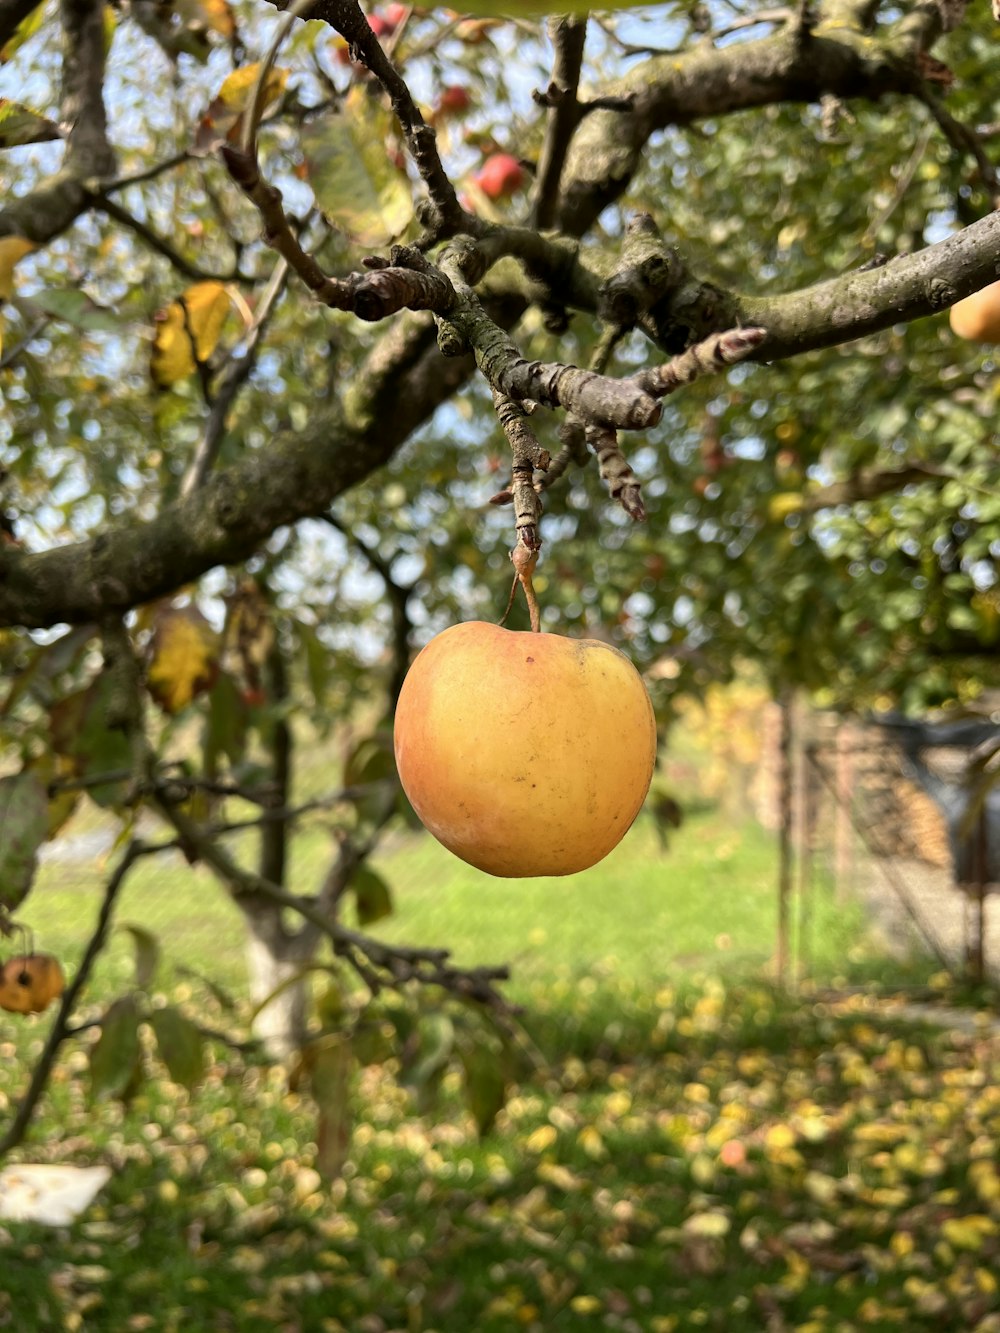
(843, 830)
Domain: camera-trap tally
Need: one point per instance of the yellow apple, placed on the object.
(977, 317)
(524, 754)
(30, 982)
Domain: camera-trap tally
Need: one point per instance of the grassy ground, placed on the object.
(702, 1153)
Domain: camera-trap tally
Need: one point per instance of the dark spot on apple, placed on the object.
(529, 659)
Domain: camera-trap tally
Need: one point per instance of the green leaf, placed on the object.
(485, 1085)
(430, 1053)
(24, 826)
(81, 733)
(317, 659)
(20, 125)
(114, 1057)
(222, 997)
(180, 1044)
(331, 1066)
(531, 9)
(77, 309)
(356, 185)
(147, 953)
(25, 29)
(371, 894)
(373, 1043)
(371, 760)
(226, 724)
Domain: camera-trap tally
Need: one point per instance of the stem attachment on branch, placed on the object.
(524, 562)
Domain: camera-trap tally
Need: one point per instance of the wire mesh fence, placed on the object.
(887, 812)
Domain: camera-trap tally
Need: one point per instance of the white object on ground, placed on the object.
(53, 1195)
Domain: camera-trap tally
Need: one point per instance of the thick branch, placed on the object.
(870, 484)
(57, 202)
(569, 35)
(88, 153)
(682, 88)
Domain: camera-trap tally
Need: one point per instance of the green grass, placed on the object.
(701, 1152)
(644, 914)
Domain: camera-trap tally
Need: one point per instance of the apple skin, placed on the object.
(30, 982)
(500, 176)
(977, 317)
(524, 754)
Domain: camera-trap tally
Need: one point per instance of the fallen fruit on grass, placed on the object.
(500, 176)
(524, 754)
(977, 317)
(30, 982)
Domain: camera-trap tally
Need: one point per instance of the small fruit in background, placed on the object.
(500, 176)
(30, 982)
(453, 100)
(394, 15)
(977, 317)
(524, 753)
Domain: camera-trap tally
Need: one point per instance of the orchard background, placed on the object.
(287, 301)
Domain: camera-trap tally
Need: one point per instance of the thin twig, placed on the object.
(60, 1029)
(151, 173)
(234, 376)
(36, 329)
(962, 139)
(396, 965)
(164, 248)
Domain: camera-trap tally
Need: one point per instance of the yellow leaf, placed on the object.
(591, 1142)
(222, 119)
(585, 1305)
(199, 314)
(968, 1233)
(712, 1223)
(541, 1138)
(779, 1137)
(183, 659)
(560, 1176)
(12, 248)
(237, 88)
(784, 503)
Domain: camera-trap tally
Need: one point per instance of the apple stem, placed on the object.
(524, 561)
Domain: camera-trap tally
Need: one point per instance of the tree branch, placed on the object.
(88, 153)
(404, 379)
(376, 963)
(687, 86)
(60, 1029)
(236, 373)
(346, 16)
(569, 35)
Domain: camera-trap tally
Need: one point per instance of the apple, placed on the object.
(500, 176)
(30, 982)
(977, 317)
(524, 753)
(453, 100)
(394, 15)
